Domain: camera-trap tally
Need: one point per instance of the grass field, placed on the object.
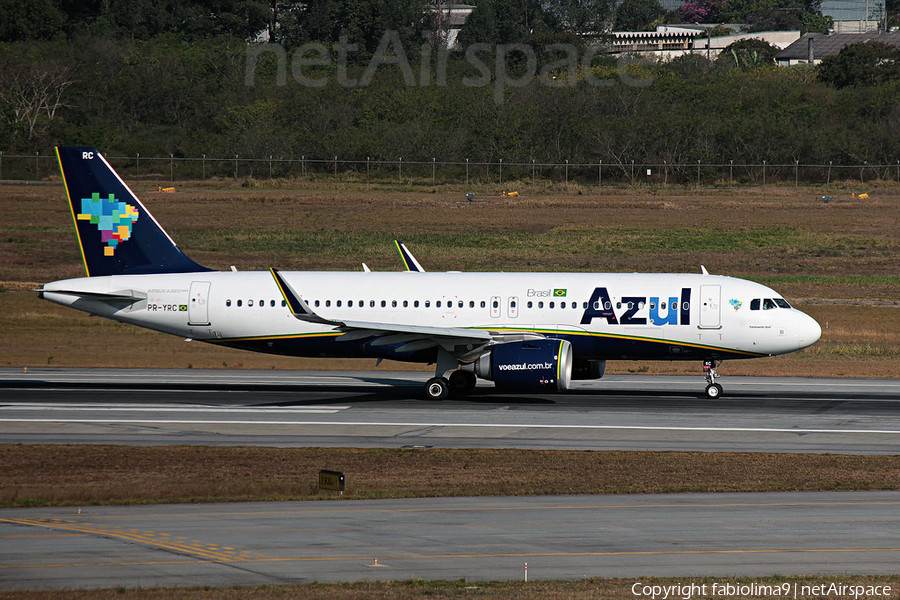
(836, 261)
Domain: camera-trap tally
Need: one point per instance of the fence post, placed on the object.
(172, 168)
(828, 180)
(532, 171)
(764, 173)
(731, 171)
(400, 170)
(698, 173)
(433, 166)
(467, 171)
(567, 171)
(235, 166)
(1, 164)
(335, 169)
(665, 172)
(501, 171)
(303, 165)
(270, 166)
(138, 176)
(203, 167)
(36, 154)
(600, 175)
(367, 170)
(796, 169)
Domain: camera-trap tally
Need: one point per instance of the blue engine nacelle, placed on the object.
(535, 365)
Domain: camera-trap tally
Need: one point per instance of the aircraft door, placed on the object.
(198, 303)
(512, 307)
(710, 306)
(495, 307)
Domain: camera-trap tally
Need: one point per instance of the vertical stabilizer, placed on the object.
(116, 233)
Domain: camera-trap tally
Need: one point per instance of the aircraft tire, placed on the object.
(437, 388)
(713, 391)
(462, 382)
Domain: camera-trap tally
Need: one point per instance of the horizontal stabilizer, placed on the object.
(119, 296)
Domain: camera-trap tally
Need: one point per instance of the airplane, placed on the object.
(527, 332)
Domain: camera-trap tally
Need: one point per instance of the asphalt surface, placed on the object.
(386, 409)
(479, 539)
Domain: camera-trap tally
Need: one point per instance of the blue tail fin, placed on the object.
(116, 233)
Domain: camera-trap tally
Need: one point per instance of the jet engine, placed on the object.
(533, 365)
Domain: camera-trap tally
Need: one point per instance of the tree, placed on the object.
(863, 64)
(34, 20)
(702, 11)
(748, 54)
(582, 17)
(638, 15)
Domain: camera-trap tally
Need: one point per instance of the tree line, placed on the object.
(166, 95)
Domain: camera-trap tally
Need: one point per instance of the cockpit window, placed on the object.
(768, 304)
(781, 302)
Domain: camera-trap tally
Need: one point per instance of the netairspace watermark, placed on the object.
(693, 591)
(491, 61)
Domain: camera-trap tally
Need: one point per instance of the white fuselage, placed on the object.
(605, 316)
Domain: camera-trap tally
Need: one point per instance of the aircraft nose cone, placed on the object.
(809, 331)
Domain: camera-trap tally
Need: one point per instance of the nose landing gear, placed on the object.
(713, 389)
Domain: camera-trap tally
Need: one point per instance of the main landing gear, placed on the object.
(713, 389)
(460, 382)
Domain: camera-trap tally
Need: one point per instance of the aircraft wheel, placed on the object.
(437, 388)
(713, 391)
(462, 382)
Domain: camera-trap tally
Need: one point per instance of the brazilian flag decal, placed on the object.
(559, 293)
(182, 307)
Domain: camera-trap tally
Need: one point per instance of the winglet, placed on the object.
(296, 305)
(409, 261)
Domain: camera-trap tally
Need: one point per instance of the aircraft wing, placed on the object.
(458, 341)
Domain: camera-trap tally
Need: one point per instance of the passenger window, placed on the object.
(552, 305)
(754, 304)
(674, 306)
(471, 304)
(437, 304)
(328, 303)
(284, 303)
(228, 303)
(427, 303)
(512, 304)
(338, 303)
(272, 303)
(416, 303)
(393, 303)
(350, 303)
(405, 303)
(563, 305)
(240, 303)
(460, 304)
(530, 304)
(541, 304)
(262, 302)
(483, 304)
(383, 303)
(372, 303)
(249, 302)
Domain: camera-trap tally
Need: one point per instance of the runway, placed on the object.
(479, 539)
(386, 409)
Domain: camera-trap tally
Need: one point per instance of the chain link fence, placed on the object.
(172, 169)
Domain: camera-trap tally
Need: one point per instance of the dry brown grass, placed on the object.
(590, 588)
(81, 475)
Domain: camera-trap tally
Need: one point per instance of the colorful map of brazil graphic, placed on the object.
(112, 217)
